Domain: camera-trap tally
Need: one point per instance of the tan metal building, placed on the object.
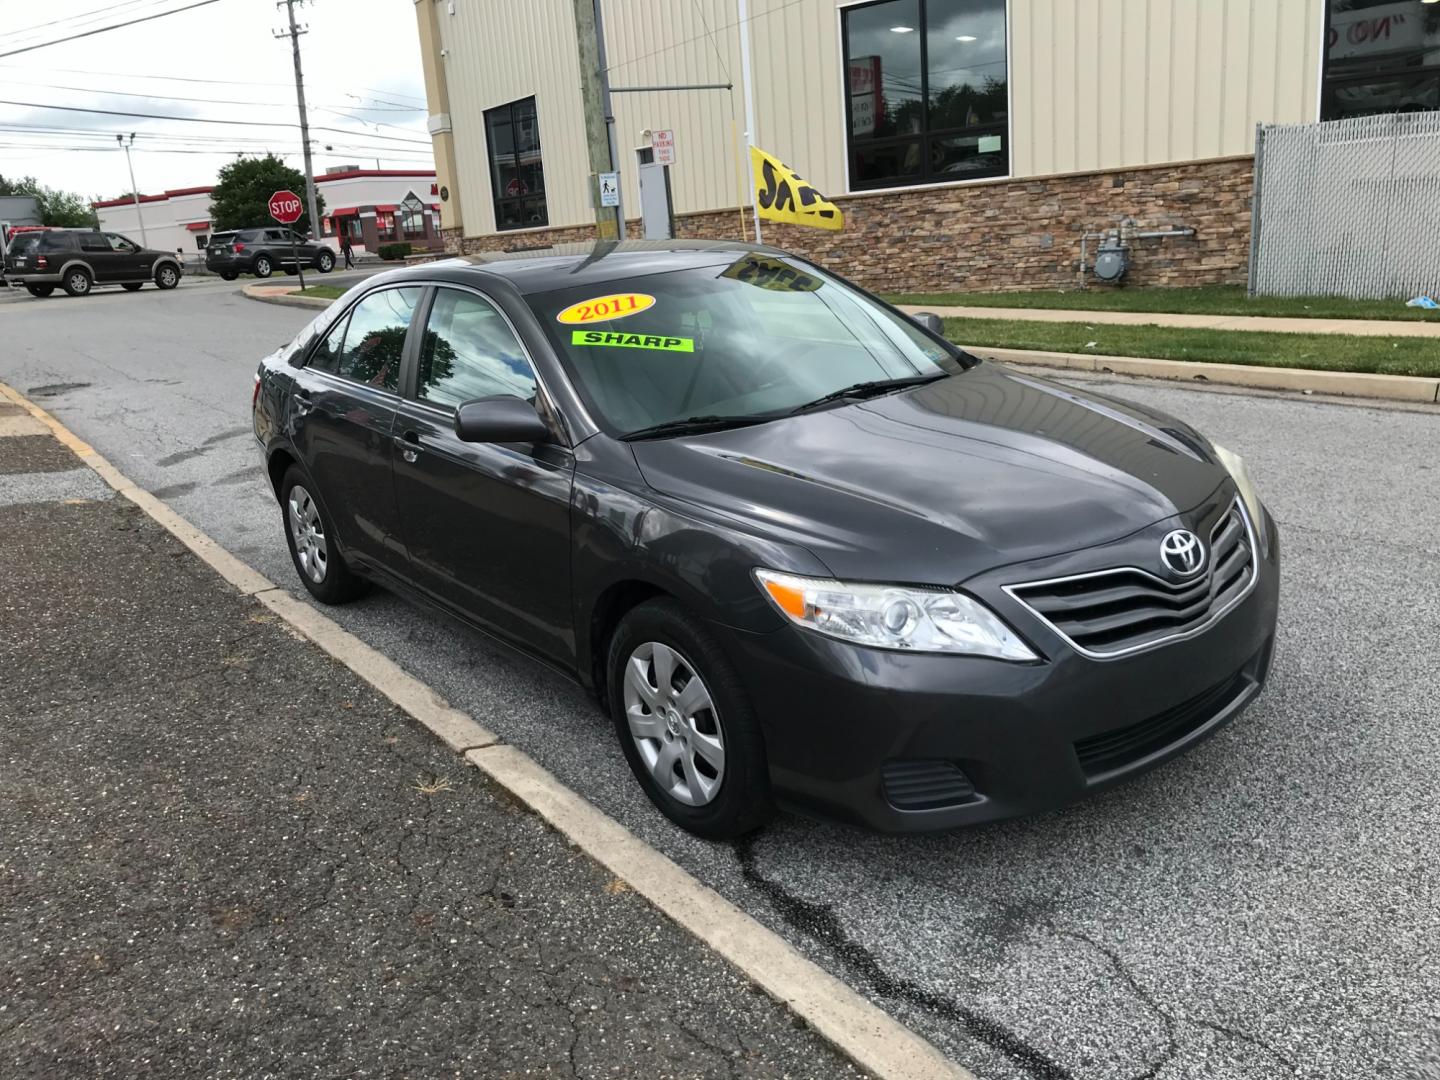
(970, 142)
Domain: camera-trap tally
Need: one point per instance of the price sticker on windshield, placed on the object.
(605, 308)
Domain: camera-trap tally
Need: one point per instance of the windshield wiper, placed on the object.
(693, 425)
(873, 388)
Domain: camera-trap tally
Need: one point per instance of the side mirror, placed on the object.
(930, 321)
(500, 419)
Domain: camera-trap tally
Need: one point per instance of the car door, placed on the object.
(342, 413)
(103, 260)
(307, 249)
(128, 263)
(487, 526)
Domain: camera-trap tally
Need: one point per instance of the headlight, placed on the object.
(1235, 466)
(892, 617)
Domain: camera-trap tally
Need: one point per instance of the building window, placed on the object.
(412, 217)
(385, 225)
(516, 178)
(1381, 56)
(927, 91)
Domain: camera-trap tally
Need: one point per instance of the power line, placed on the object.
(209, 120)
(697, 37)
(79, 19)
(214, 82)
(177, 97)
(107, 29)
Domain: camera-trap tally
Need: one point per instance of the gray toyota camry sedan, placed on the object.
(805, 552)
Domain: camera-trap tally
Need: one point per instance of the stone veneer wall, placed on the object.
(1001, 235)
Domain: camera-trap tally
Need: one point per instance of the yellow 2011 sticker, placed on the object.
(605, 308)
(620, 340)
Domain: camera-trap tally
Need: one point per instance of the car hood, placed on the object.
(939, 483)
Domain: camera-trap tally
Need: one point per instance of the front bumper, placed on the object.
(852, 731)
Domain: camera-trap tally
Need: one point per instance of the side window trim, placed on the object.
(408, 351)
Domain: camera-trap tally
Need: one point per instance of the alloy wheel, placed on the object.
(308, 532)
(675, 724)
(167, 277)
(79, 283)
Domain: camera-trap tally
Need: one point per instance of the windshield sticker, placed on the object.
(606, 308)
(617, 340)
(771, 274)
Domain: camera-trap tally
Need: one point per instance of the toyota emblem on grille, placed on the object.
(1182, 552)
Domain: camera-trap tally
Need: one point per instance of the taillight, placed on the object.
(255, 394)
(238, 247)
(41, 262)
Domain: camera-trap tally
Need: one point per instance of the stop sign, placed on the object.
(285, 207)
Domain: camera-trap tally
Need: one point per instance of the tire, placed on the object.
(291, 271)
(717, 783)
(78, 281)
(41, 291)
(311, 538)
(131, 286)
(167, 277)
(229, 275)
(325, 262)
(263, 266)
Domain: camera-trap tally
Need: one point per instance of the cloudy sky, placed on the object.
(217, 62)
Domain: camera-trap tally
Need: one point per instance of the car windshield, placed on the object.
(754, 338)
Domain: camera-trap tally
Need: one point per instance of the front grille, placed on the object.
(1111, 750)
(925, 785)
(1114, 612)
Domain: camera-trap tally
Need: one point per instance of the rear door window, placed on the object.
(94, 242)
(375, 338)
(470, 352)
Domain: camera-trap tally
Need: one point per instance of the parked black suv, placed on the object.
(262, 251)
(79, 259)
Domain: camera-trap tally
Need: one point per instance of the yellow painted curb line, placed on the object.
(860, 1030)
(1340, 383)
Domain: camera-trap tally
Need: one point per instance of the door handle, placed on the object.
(409, 444)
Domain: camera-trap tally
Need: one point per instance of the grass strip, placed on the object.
(324, 292)
(1323, 352)
(1201, 300)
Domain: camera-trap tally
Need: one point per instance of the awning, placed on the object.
(198, 226)
(389, 208)
(344, 211)
(435, 206)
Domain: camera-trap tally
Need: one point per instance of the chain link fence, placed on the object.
(1348, 208)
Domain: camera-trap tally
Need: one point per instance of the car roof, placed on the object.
(570, 265)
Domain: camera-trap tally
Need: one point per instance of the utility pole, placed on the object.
(134, 192)
(599, 117)
(294, 35)
(744, 30)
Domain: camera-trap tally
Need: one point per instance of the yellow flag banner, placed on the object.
(781, 195)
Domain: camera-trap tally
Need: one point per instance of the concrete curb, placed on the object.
(1339, 383)
(869, 1036)
(272, 294)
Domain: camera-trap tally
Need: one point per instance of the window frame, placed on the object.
(496, 198)
(412, 387)
(407, 350)
(925, 178)
(1379, 75)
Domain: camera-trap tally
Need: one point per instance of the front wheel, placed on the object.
(263, 266)
(131, 286)
(311, 538)
(167, 277)
(78, 282)
(686, 724)
(325, 263)
(41, 291)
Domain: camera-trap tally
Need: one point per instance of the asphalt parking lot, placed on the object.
(1268, 905)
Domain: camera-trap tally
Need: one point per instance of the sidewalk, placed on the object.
(1355, 327)
(222, 854)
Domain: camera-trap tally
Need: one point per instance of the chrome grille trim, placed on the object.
(1236, 509)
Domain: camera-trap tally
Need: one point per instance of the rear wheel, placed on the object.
(325, 263)
(41, 291)
(131, 286)
(78, 282)
(311, 538)
(167, 277)
(686, 724)
(228, 275)
(263, 266)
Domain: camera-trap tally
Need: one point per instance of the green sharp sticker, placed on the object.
(616, 340)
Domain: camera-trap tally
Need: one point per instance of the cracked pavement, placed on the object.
(223, 855)
(1266, 906)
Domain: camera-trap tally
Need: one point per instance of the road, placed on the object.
(1267, 906)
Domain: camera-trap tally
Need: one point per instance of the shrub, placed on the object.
(394, 252)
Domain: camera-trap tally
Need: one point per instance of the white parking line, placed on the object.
(869, 1036)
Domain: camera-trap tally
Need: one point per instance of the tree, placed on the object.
(241, 199)
(63, 209)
